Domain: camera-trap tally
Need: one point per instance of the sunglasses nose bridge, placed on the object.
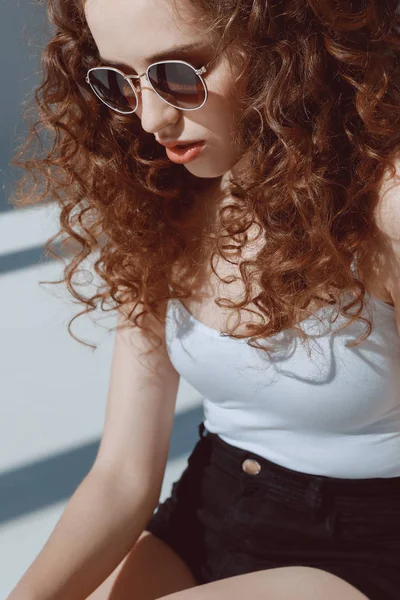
(137, 77)
(137, 80)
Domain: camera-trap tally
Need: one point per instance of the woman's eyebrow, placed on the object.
(173, 52)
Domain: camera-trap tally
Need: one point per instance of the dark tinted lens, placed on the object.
(113, 89)
(178, 84)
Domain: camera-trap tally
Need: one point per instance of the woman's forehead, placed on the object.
(141, 29)
(148, 21)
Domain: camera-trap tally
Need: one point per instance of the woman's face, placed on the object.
(128, 33)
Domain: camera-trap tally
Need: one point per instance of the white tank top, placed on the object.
(336, 414)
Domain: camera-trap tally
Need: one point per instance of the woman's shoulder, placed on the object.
(387, 209)
(387, 218)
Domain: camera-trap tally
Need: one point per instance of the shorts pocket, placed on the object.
(372, 521)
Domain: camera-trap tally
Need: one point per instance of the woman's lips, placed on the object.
(186, 154)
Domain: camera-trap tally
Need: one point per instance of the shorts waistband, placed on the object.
(233, 458)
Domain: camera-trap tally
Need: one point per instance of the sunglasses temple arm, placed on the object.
(220, 52)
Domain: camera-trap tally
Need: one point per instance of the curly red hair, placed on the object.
(319, 129)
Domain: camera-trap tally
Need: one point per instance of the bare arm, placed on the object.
(98, 527)
(111, 507)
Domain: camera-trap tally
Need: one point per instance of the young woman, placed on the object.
(233, 163)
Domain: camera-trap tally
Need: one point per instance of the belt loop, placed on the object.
(316, 494)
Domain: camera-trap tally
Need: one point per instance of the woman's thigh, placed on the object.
(149, 571)
(283, 583)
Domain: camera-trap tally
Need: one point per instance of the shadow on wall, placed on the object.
(47, 481)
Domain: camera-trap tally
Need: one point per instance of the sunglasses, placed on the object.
(176, 82)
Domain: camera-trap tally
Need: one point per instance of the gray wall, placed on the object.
(23, 33)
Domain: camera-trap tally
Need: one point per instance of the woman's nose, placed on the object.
(153, 111)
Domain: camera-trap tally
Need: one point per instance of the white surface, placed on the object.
(34, 226)
(53, 389)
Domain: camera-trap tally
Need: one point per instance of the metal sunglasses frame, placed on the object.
(128, 78)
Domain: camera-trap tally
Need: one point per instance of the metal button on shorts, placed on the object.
(250, 466)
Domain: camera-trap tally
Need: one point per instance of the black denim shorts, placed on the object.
(234, 512)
